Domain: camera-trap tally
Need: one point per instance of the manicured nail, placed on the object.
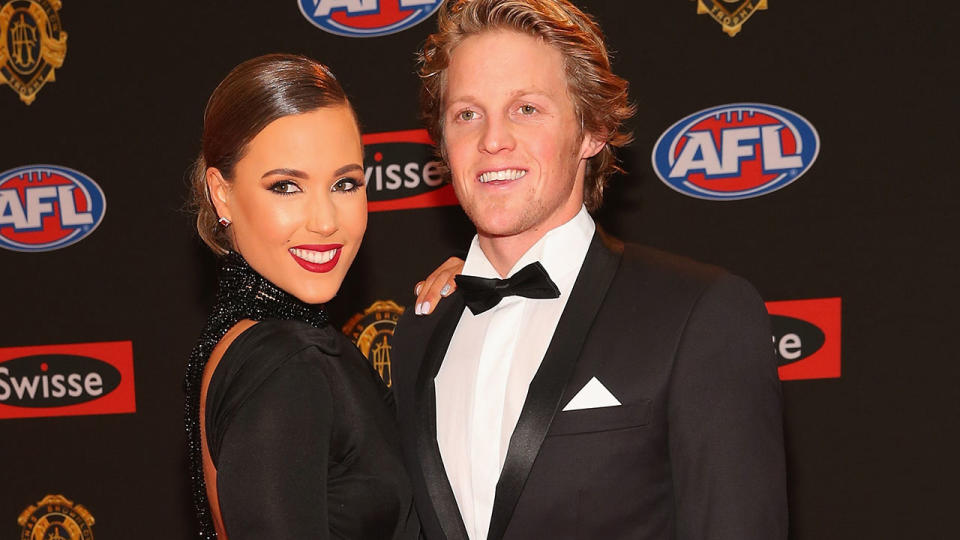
(416, 290)
(417, 310)
(445, 290)
(426, 308)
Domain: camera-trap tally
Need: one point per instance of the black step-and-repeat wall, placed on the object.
(808, 146)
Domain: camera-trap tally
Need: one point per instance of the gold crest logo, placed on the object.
(56, 518)
(32, 45)
(730, 17)
(372, 331)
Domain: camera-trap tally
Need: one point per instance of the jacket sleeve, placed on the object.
(272, 471)
(725, 425)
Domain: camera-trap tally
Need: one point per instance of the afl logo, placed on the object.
(47, 207)
(735, 151)
(367, 18)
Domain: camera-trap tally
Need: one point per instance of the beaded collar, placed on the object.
(242, 293)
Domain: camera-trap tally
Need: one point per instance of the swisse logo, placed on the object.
(65, 380)
(366, 18)
(735, 151)
(47, 207)
(402, 172)
(794, 339)
(806, 337)
(53, 380)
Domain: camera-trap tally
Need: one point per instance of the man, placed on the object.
(613, 391)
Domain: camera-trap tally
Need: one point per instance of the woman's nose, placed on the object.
(322, 216)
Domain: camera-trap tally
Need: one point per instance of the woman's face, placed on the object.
(298, 202)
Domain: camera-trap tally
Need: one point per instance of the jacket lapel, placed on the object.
(547, 386)
(438, 485)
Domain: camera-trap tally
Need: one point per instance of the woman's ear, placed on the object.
(218, 189)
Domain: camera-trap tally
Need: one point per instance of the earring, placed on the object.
(224, 222)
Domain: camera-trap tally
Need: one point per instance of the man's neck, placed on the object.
(503, 252)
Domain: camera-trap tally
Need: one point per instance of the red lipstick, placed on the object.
(319, 268)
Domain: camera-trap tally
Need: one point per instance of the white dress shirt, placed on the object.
(483, 381)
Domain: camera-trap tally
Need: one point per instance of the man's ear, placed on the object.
(218, 189)
(591, 145)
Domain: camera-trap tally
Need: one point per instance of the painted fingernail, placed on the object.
(417, 310)
(445, 290)
(416, 290)
(426, 308)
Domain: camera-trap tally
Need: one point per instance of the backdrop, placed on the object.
(105, 286)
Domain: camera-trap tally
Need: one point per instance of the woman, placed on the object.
(291, 431)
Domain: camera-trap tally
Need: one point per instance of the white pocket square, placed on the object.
(591, 396)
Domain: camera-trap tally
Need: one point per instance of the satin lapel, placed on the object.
(438, 485)
(547, 386)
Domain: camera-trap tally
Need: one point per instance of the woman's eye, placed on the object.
(285, 187)
(466, 116)
(346, 184)
(527, 109)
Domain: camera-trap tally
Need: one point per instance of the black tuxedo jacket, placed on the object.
(694, 452)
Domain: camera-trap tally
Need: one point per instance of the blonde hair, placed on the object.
(600, 97)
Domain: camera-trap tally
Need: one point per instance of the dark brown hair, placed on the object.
(600, 97)
(253, 95)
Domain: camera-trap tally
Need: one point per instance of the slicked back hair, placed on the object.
(251, 96)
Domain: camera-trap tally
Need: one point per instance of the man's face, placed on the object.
(511, 135)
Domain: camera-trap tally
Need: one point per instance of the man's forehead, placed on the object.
(500, 68)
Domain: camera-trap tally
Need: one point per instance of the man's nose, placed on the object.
(497, 136)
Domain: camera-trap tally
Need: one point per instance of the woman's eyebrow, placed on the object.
(347, 168)
(286, 172)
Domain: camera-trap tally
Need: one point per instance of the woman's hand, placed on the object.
(438, 284)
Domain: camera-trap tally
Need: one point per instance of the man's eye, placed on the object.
(467, 115)
(527, 109)
(285, 187)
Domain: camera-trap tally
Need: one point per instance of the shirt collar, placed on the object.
(561, 252)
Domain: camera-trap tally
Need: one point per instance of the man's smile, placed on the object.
(501, 175)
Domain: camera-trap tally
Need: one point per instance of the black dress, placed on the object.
(299, 425)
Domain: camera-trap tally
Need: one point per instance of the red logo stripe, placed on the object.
(409, 136)
(442, 196)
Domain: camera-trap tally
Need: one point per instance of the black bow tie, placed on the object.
(481, 294)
